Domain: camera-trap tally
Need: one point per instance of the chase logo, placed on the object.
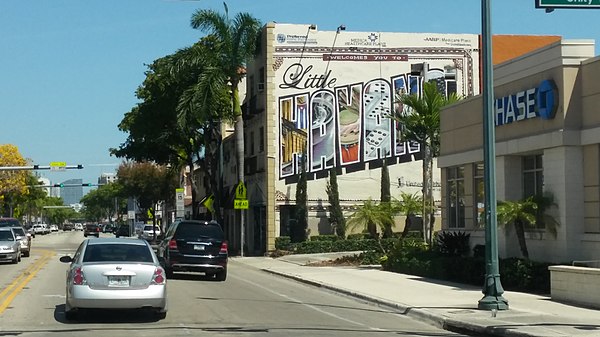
(281, 38)
(531, 103)
(546, 98)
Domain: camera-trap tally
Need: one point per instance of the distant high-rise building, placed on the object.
(45, 182)
(107, 178)
(71, 194)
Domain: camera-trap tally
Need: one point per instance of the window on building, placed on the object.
(456, 194)
(479, 193)
(261, 141)
(533, 181)
(533, 176)
(251, 143)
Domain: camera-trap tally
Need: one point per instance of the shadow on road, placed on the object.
(106, 316)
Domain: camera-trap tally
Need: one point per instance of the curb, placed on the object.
(437, 320)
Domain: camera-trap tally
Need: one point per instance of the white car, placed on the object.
(53, 228)
(39, 228)
(78, 227)
(111, 273)
(147, 232)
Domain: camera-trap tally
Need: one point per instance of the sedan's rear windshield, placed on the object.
(6, 236)
(192, 230)
(117, 253)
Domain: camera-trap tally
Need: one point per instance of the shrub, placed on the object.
(453, 243)
(358, 236)
(324, 238)
(283, 243)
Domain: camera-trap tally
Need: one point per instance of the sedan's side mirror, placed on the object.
(66, 259)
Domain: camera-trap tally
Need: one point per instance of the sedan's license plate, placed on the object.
(198, 247)
(118, 281)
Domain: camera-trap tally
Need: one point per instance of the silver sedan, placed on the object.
(112, 273)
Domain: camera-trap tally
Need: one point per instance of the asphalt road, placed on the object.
(249, 303)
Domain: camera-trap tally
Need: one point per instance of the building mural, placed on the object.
(336, 91)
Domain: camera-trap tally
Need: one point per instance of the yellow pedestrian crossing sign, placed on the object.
(240, 191)
(240, 204)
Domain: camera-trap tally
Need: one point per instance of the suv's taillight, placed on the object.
(78, 277)
(223, 248)
(159, 276)
(172, 244)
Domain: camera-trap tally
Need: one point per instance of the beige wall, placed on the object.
(568, 145)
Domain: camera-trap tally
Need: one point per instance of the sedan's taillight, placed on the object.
(78, 278)
(223, 248)
(159, 276)
(172, 244)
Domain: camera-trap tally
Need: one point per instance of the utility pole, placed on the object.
(492, 288)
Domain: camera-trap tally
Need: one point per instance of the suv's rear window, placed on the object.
(189, 229)
(9, 222)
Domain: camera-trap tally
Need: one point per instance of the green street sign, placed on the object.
(567, 3)
(240, 204)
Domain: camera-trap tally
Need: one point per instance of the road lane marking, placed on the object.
(9, 293)
(310, 305)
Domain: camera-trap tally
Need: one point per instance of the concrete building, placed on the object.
(107, 178)
(71, 194)
(547, 119)
(326, 95)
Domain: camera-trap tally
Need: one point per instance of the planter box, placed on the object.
(577, 285)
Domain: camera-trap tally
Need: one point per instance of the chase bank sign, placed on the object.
(531, 103)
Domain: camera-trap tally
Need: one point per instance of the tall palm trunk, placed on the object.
(520, 230)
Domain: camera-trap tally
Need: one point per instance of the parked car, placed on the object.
(148, 233)
(10, 247)
(24, 239)
(39, 228)
(195, 246)
(91, 229)
(111, 273)
(123, 230)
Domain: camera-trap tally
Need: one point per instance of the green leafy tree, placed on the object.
(148, 183)
(174, 123)
(419, 118)
(235, 44)
(104, 202)
(30, 204)
(299, 230)
(336, 214)
(12, 182)
(57, 216)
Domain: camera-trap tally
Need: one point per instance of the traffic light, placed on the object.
(59, 185)
(86, 184)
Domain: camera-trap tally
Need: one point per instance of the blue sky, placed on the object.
(69, 68)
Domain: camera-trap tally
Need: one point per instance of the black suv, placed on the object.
(91, 229)
(195, 246)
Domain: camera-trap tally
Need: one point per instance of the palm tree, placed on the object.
(519, 214)
(235, 43)
(421, 123)
(410, 205)
(369, 216)
(527, 213)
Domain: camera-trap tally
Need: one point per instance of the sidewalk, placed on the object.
(450, 306)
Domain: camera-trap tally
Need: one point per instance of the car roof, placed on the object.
(121, 241)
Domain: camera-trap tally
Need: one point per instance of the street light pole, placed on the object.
(492, 288)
